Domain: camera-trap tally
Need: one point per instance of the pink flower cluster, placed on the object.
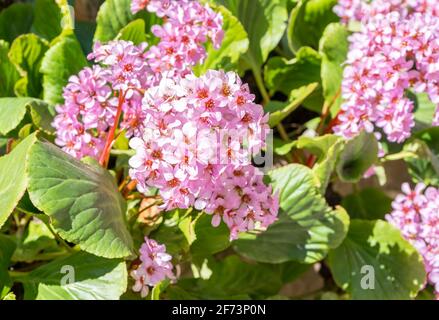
(199, 136)
(416, 214)
(187, 25)
(361, 10)
(92, 98)
(124, 71)
(394, 52)
(155, 266)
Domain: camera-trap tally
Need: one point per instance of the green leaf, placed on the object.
(368, 204)
(285, 76)
(51, 18)
(398, 270)
(7, 247)
(63, 59)
(26, 53)
(333, 47)
(264, 21)
(281, 147)
(307, 22)
(13, 110)
(13, 180)
(306, 228)
(114, 15)
(233, 278)
(15, 20)
(358, 155)
(424, 111)
(8, 72)
(276, 116)
(327, 149)
(170, 234)
(233, 46)
(158, 289)
(82, 201)
(84, 31)
(424, 165)
(36, 239)
(10, 296)
(94, 278)
(133, 31)
(209, 240)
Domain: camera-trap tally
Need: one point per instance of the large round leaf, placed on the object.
(82, 201)
(307, 227)
(81, 276)
(376, 250)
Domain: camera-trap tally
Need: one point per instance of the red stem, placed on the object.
(105, 156)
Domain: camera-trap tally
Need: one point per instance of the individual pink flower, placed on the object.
(155, 267)
(416, 214)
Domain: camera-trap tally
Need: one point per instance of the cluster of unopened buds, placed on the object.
(416, 214)
(396, 50)
(155, 266)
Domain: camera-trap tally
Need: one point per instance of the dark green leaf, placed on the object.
(289, 77)
(7, 247)
(82, 201)
(15, 20)
(368, 204)
(358, 155)
(376, 249)
(307, 227)
(264, 21)
(276, 116)
(424, 165)
(307, 22)
(208, 239)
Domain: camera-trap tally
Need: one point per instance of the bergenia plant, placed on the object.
(219, 149)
